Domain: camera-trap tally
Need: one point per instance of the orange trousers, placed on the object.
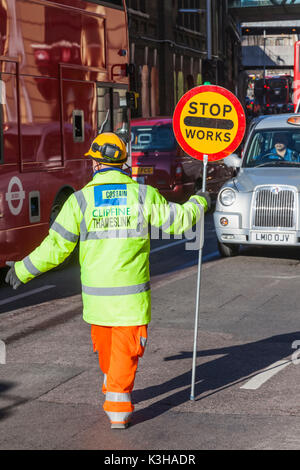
(119, 349)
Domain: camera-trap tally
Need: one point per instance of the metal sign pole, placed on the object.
(192, 397)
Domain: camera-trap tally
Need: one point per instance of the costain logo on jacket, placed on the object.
(110, 195)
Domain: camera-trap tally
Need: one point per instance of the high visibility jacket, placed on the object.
(110, 217)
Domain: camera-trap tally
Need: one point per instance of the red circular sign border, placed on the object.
(241, 122)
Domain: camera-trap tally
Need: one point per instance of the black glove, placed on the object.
(207, 197)
(11, 277)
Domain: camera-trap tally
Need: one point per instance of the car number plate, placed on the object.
(142, 170)
(282, 238)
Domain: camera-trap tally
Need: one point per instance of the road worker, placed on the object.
(110, 217)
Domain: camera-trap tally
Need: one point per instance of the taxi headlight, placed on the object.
(227, 197)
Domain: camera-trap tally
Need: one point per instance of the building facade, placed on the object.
(174, 49)
(269, 46)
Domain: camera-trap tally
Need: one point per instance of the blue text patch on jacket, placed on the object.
(110, 195)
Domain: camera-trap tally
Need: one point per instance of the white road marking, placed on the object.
(26, 294)
(255, 382)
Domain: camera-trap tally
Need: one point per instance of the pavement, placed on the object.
(51, 383)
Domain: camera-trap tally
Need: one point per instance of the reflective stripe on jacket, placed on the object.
(110, 218)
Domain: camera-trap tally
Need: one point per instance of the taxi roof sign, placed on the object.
(294, 120)
(209, 120)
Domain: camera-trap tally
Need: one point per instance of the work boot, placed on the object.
(119, 425)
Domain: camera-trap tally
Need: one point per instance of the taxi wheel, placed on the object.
(228, 250)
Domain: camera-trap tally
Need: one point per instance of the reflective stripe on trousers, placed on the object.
(104, 384)
(118, 407)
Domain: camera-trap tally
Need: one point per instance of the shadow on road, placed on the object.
(237, 364)
(5, 388)
(276, 252)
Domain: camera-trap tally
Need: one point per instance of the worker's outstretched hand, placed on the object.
(207, 197)
(11, 277)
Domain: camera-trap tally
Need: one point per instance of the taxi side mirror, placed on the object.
(233, 161)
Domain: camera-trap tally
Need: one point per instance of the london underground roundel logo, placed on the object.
(209, 120)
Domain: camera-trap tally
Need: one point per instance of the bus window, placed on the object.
(34, 207)
(9, 141)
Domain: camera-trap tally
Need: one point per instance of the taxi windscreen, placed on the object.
(273, 148)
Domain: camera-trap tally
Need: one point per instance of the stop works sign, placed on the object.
(209, 120)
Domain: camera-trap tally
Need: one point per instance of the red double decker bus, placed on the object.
(63, 73)
(296, 87)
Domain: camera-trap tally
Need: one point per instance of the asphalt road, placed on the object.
(247, 374)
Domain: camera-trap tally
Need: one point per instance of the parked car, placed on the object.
(158, 160)
(261, 205)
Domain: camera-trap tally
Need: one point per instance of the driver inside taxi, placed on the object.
(280, 151)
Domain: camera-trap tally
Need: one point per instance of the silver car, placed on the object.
(261, 204)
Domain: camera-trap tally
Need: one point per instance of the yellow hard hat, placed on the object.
(108, 149)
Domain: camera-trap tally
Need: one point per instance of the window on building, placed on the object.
(190, 81)
(154, 91)
(189, 21)
(137, 5)
(175, 86)
(145, 99)
(180, 85)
